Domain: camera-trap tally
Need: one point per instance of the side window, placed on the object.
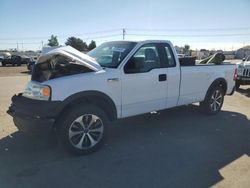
(169, 56)
(144, 60)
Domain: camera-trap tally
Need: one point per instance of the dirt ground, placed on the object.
(13, 71)
(179, 147)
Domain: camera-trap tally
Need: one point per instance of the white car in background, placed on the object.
(243, 75)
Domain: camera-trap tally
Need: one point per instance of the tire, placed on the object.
(29, 67)
(237, 85)
(213, 101)
(3, 64)
(82, 129)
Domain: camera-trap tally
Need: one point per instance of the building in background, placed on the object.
(242, 52)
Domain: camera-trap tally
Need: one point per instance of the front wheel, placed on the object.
(213, 101)
(83, 129)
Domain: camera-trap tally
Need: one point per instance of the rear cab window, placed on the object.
(168, 55)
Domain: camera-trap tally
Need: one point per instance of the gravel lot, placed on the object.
(13, 71)
(179, 147)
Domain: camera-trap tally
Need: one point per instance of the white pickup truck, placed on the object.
(78, 94)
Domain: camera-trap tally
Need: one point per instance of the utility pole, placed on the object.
(42, 44)
(17, 46)
(123, 33)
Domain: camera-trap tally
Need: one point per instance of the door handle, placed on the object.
(113, 79)
(162, 77)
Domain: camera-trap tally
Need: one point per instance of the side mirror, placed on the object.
(131, 67)
(244, 59)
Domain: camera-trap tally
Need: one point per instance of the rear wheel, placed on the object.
(83, 129)
(213, 101)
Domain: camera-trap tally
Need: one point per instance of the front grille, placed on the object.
(246, 72)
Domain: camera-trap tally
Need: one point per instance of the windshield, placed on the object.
(111, 54)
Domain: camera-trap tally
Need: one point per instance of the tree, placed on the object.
(92, 45)
(186, 49)
(77, 43)
(53, 41)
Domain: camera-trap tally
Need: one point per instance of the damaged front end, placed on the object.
(33, 109)
(55, 67)
(63, 61)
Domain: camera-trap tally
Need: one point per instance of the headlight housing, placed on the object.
(240, 69)
(35, 90)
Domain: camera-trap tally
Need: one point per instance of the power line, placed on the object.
(191, 29)
(129, 29)
(10, 43)
(97, 37)
(62, 36)
(103, 36)
(167, 35)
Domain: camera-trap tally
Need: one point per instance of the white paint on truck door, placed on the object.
(173, 76)
(144, 84)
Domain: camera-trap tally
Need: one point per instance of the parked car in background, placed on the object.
(1, 58)
(31, 63)
(243, 75)
(16, 60)
(181, 55)
(80, 94)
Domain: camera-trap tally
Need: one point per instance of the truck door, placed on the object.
(174, 75)
(144, 81)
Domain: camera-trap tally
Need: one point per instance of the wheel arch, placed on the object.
(96, 98)
(221, 82)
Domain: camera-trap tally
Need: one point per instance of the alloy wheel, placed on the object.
(216, 100)
(86, 131)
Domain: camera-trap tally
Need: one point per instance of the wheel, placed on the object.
(83, 129)
(237, 85)
(19, 63)
(213, 101)
(29, 67)
(3, 64)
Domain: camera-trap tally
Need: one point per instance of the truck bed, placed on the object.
(196, 79)
(191, 61)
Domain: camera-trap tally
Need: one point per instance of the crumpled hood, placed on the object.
(76, 56)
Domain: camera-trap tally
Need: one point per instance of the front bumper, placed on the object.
(31, 115)
(243, 80)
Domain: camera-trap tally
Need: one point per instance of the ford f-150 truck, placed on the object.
(79, 94)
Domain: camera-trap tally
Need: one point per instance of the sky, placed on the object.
(210, 24)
